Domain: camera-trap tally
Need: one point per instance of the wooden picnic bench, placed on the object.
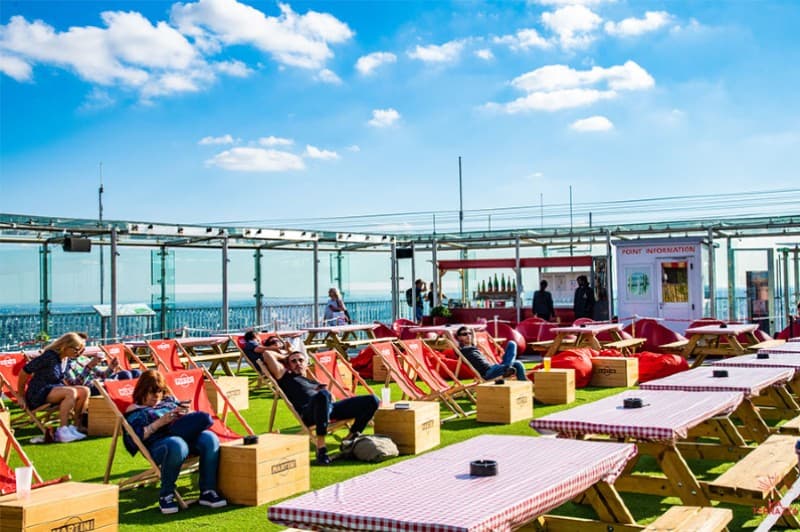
(677, 345)
(692, 518)
(626, 345)
(766, 344)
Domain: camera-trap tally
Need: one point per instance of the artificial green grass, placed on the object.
(86, 462)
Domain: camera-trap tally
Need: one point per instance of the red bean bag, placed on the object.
(384, 331)
(656, 365)
(579, 359)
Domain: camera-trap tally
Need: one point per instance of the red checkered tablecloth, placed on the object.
(775, 360)
(749, 381)
(434, 492)
(666, 416)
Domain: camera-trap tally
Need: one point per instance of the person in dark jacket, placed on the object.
(543, 302)
(583, 304)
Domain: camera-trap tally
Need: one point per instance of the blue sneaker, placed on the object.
(212, 499)
(168, 504)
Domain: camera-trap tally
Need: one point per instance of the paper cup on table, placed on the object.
(386, 395)
(24, 477)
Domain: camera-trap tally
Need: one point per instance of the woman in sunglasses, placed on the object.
(41, 381)
(314, 402)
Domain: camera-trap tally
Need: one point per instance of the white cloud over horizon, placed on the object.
(256, 160)
(312, 152)
(523, 40)
(224, 139)
(384, 117)
(367, 64)
(573, 24)
(275, 141)
(592, 124)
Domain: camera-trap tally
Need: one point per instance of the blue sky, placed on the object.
(217, 110)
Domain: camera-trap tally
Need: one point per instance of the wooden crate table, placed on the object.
(414, 430)
(615, 371)
(379, 371)
(505, 403)
(62, 507)
(234, 388)
(275, 467)
(102, 419)
(5, 418)
(554, 387)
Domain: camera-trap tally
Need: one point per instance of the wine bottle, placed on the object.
(503, 283)
(496, 284)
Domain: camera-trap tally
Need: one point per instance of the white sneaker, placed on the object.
(74, 430)
(64, 435)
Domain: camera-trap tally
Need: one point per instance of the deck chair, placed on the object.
(189, 385)
(124, 355)
(167, 355)
(404, 372)
(8, 481)
(45, 417)
(489, 347)
(327, 369)
(429, 367)
(278, 395)
(119, 396)
(238, 341)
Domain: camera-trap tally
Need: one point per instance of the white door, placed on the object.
(674, 297)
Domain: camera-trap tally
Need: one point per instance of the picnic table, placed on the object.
(435, 491)
(211, 349)
(718, 340)
(586, 336)
(341, 337)
(775, 359)
(662, 429)
(753, 382)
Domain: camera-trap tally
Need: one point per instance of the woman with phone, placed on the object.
(170, 432)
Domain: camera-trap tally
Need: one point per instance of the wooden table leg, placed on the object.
(754, 426)
(553, 349)
(605, 500)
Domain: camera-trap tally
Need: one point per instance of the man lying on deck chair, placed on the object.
(314, 402)
(509, 365)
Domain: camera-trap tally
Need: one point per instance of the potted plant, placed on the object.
(440, 314)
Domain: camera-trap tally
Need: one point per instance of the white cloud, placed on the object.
(629, 76)
(328, 76)
(592, 124)
(573, 24)
(384, 117)
(312, 152)
(15, 67)
(97, 99)
(275, 141)
(572, 2)
(235, 68)
(367, 64)
(354, 148)
(291, 39)
(256, 160)
(224, 139)
(441, 53)
(631, 27)
(523, 40)
(485, 54)
(556, 87)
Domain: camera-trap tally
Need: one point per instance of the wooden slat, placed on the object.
(761, 471)
(698, 519)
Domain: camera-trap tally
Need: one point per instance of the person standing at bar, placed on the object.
(583, 304)
(543, 302)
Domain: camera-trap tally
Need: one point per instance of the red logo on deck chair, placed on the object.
(184, 380)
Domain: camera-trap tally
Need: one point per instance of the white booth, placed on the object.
(661, 278)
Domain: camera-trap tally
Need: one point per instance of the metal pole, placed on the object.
(339, 271)
(731, 281)
(395, 281)
(541, 210)
(609, 277)
(570, 220)
(163, 290)
(435, 275)
(113, 330)
(518, 277)
(259, 294)
(44, 289)
(787, 304)
(460, 200)
(225, 284)
(100, 223)
(712, 285)
(413, 285)
(796, 274)
(771, 285)
(315, 314)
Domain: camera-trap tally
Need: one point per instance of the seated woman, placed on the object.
(44, 378)
(170, 432)
(83, 372)
(314, 402)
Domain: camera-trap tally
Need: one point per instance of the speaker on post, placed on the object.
(73, 243)
(405, 253)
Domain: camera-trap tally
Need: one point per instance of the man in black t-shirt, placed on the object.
(314, 402)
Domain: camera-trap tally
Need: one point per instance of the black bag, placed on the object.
(410, 297)
(374, 448)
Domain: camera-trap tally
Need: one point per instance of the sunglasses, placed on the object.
(468, 333)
